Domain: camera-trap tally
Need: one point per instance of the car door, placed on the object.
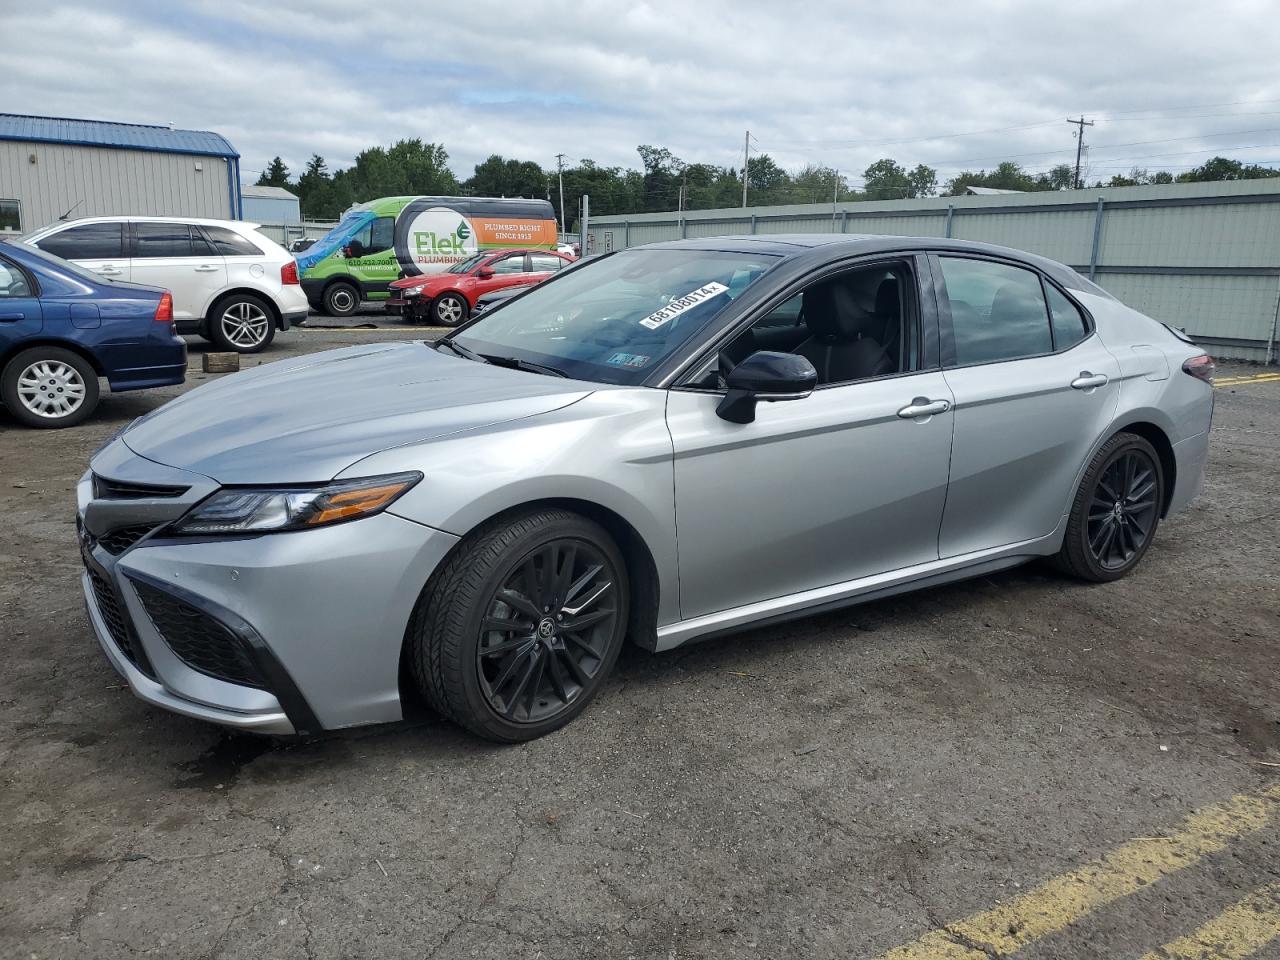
(163, 255)
(508, 271)
(98, 246)
(20, 314)
(846, 483)
(1033, 389)
(543, 265)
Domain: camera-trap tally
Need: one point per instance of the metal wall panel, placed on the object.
(102, 181)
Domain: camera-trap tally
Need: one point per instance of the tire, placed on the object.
(529, 675)
(341, 299)
(40, 383)
(449, 310)
(1116, 511)
(242, 323)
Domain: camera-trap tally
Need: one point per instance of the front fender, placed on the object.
(611, 449)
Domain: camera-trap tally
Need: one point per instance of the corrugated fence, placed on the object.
(1201, 256)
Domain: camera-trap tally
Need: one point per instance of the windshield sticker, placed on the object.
(633, 360)
(680, 304)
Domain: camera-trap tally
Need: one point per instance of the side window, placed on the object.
(13, 283)
(382, 235)
(152, 240)
(229, 243)
(10, 215)
(88, 241)
(1069, 326)
(997, 311)
(853, 326)
(512, 264)
(544, 263)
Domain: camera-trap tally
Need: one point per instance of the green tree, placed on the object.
(886, 180)
(1222, 168)
(276, 174)
(498, 177)
(922, 181)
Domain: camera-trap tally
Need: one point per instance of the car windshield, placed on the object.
(468, 264)
(614, 319)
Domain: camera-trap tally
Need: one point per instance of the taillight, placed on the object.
(1200, 367)
(289, 273)
(164, 309)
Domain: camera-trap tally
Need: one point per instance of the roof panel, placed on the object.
(102, 133)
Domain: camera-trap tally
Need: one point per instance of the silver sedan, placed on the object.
(665, 443)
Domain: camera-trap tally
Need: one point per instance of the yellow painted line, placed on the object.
(1062, 900)
(1238, 932)
(1252, 378)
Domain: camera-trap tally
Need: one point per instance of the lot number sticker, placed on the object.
(680, 304)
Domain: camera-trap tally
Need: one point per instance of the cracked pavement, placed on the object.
(832, 787)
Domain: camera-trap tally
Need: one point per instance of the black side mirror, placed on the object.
(765, 375)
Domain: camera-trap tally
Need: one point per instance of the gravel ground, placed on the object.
(829, 788)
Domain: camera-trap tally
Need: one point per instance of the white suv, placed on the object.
(230, 284)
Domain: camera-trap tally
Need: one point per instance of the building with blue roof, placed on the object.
(57, 167)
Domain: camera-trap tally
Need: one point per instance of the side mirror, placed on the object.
(769, 376)
(484, 273)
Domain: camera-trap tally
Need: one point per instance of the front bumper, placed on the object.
(282, 633)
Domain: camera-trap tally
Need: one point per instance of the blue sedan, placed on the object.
(61, 328)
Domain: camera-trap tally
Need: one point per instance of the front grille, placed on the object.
(199, 640)
(122, 538)
(106, 489)
(117, 620)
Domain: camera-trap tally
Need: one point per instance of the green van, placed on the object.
(393, 237)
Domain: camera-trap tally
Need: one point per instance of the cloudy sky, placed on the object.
(956, 85)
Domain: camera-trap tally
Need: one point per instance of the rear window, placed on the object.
(229, 243)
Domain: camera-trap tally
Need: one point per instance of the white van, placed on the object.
(230, 283)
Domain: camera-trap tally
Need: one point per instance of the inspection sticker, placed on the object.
(628, 360)
(679, 305)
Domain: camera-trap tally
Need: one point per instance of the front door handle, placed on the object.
(924, 407)
(206, 268)
(1087, 380)
(110, 271)
(12, 317)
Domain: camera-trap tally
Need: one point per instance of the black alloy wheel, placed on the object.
(547, 631)
(518, 629)
(1123, 509)
(1116, 510)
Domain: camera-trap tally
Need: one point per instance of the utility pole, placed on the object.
(560, 171)
(746, 159)
(1079, 125)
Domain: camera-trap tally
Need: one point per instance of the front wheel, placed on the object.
(449, 310)
(341, 300)
(518, 630)
(1116, 511)
(49, 387)
(243, 324)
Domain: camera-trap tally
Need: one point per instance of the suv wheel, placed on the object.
(242, 323)
(516, 633)
(341, 300)
(49, 387)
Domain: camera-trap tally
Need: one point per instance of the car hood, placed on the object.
(429, 280)
(307, 419)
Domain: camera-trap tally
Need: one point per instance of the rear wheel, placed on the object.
(1116, 511)
(449, 310)
(517, 632)
(341, 300)
(242, 323)
(49, 387)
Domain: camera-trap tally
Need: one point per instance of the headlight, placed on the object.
(261, 510)
(413, 291)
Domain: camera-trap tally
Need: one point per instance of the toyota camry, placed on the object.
(666, 443)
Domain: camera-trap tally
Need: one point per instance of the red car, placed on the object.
(447, 298)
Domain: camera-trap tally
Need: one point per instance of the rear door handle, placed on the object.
(206, 268)
(1087, 380)
(924, 407)
(110, 271)
(12, 317)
